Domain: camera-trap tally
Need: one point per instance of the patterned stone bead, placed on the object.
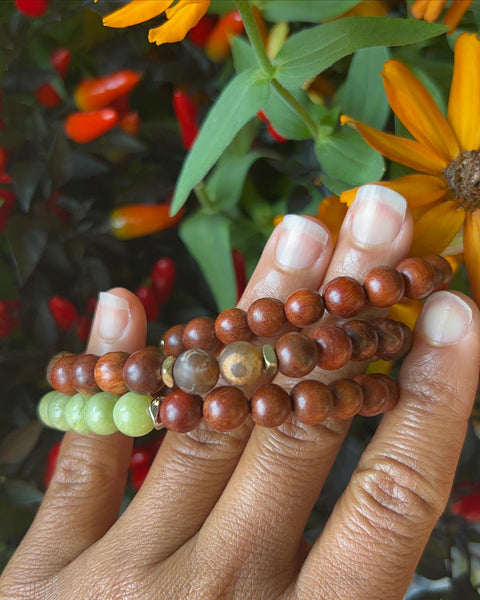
(195, 371)
(231, 326)
(297, 354)
(376, 394)
(200, 333)
(181, 412)
(142, 371)
(443, 271)
(109, 372)
(312, 402)
(391, 338)
(83, 374)
(225, 408)
(173, 341)
(344, 297)
(241, 363)
(270, 405)
(61, 374)
(347, 398)
(419, 277)
(335, 346)
(304, 307)
(384, 286)
(364, 339)
(265, 317)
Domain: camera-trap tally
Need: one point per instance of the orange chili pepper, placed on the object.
(130, 123)
(137, 220)
(83, 127)
(99, 92)
(218, 46)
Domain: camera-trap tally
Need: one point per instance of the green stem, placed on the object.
(202, 196)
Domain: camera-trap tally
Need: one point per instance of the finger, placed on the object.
(378, 530)
(283, 469)
(84, 496)
(191, 470)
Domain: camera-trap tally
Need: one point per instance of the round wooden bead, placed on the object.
(335, 346)
(344, 297)
(407, 342)
(200, 333)
(347, 398)
(109, 372)
(394, 390)
(312, 402)
(419, 277)
(225, 408)
(364, 339)
(195, 371)
(181, 412)
(83, 374)
(443, 271)
(265, 317)
(52, 362)
(61, 374)
(384, 286)
(241, 363)
(270, 405)
(376, 394)
(173, 341)
(304, 307)
(391, 338)
(142, 371)
(231, 326)
(296, 353)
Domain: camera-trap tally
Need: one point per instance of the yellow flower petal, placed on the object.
(181, 18)
(434, 10)
(464, 101)
(402, 150)
(406, 312)
(183, 5)
(136, 11)
(332, 212)
(471, 246)
(455, 13)
(418, 8)
(415, 108)
(434, 231)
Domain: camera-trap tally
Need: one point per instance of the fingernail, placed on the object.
(113, 314)
(300, 243)
(378, 215)
(446, 319)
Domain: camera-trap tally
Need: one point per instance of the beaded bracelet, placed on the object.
(164, 387)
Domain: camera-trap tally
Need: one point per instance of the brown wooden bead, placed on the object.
(265, 317)
(347, 398)
(231, 326)
(51, 363)
(335, 346)
(195, 371)
(142, 371)
(407, 342)
(241, 363)
(344, 297)
(419, 277)
(270, 405)
(296, 353)
(443, 271)
(391, 338)
(384, 286)
(364, 339)
(394, 388)
(109, 372)
(376, 393)
(312, 402)
(304, 307)
(173, 341)
(181, 412)
(225, 408)
(61, 374)
(200, 333)
(83, 374)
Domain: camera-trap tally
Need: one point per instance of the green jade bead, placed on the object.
(98, 413)
(42, 408)
(132, 414)
(75, 413)
(56, 412)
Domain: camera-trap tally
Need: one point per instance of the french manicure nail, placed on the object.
(300, 243)
(378, 215)
(446, 319)
(113, 313)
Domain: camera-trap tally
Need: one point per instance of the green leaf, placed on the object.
(284, 119)
(243, 97)
(59, 165)
(305, 10)
(344, 155)
(243, 54)
(207, 238)
(27, 241)
(313, 50)
(26, 176)
(362, 95)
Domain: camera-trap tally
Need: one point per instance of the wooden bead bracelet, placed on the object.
(189, 368)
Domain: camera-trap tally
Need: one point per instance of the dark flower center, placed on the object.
(462, 176)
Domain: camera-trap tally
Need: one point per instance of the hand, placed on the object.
(221, 515)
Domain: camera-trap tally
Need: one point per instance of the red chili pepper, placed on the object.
(199, 34)
(53, 207)
(52, 460)
(240, 272)
(5, 178)
(99, 92)
(4, 155)
(275, 135)
(162, 276)
(150, 303)
(140, 456)
(83, 127)
(8, 319)
(83, 328)
(137, 220)
(218, 46)
(130, 123)
(468, 507)
(186, 113)
(46, 93)
(137, 476)
(153, 446)
(61, 59)
(262, 116)
(63, 311)
(6, 208)
(32, 8)
(121, 105)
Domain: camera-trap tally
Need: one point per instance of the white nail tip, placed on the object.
(384, 195)
(112, 301)
(303, 225)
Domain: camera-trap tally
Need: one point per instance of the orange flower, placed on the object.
(446, 197)
(430, 10)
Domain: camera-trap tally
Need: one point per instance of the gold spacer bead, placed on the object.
(270, 363)
(167, 371)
